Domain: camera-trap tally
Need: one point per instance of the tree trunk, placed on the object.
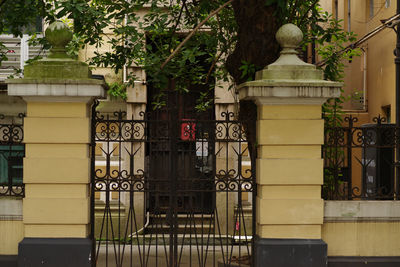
(257, 25)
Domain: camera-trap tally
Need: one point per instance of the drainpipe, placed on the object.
(124, 70)
(397, 62)
(365, 81)
(24, 55)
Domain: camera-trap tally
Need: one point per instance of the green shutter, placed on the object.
(13, 154)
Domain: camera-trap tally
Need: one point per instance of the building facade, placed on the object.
(369, 80)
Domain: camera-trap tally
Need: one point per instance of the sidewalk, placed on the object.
(155, 256)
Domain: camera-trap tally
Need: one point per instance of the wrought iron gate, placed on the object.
(171, 190)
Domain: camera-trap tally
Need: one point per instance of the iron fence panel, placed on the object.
(359, 160)
(171, 191)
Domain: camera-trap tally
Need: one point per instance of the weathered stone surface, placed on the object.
(289, 79)
(58, 65)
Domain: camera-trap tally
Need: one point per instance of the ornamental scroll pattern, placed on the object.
(359, 160)
(193, 178)
(116, 136)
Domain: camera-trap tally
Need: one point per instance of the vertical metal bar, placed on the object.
(349, 159)
(173, 155)
(379, 161)
(9, 165)
(313, 54)
(21, 139)
(92, 181)
(364, 164)
(239, 210)
(253, 157)
(397, 62)
(228, 256)
(119, 126)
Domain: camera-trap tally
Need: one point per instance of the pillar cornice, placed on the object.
(288, 93)
(289, 80)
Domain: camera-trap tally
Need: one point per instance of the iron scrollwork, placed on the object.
(174, 170)
(359, 160)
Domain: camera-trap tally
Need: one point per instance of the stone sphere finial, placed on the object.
(289, 36)
(58, 34)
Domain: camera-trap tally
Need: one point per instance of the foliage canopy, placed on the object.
(231, 45)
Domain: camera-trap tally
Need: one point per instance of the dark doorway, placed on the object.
(180, 152)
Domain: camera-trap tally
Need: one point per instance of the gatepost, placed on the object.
(58, 91)
(289, 94)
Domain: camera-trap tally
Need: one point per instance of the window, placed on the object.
(36, 27)
(387, 3)
(387, 113)
(349, 15)
(11, 163)
(371, 8)
(336, 7)
(12, 152)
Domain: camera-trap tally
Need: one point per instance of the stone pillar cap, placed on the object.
(57, 75)
(59, 35)
(289, 65)
(289, 36)
(289, 76)
(58, 65)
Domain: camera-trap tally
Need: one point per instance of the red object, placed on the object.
(188, 130)
(10, 51)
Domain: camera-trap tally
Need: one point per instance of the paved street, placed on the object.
(158, 255)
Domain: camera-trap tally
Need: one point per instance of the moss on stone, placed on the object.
(58, 65)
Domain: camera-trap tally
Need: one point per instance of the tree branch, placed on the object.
(213, 66)
(293, 11)
(190, 35)
(308, 10)
(177, 22)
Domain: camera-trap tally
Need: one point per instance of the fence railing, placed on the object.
(12, 152)
(360, 160)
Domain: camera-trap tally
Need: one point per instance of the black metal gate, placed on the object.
(171, 190)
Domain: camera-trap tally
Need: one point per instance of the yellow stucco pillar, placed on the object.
(56, 209)
(289, 94)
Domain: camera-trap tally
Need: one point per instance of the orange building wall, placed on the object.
(380, 68)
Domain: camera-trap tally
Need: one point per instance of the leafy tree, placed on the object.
(192, 41)
(19, 16)
(236, 40)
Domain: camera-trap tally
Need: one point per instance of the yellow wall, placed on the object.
(374, 238)
(88, 52)
(289, 199)
(11, 233)
(380, 66)
(56, 169)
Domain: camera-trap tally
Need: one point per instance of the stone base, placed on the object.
(290, 252)
(363, 261)
(50, 252)
(8, 260)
